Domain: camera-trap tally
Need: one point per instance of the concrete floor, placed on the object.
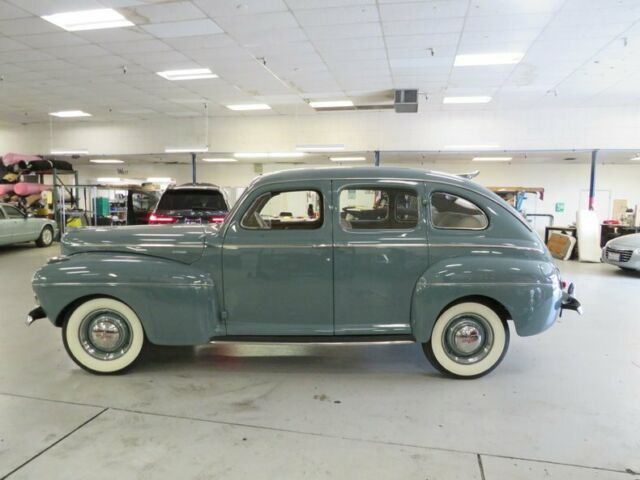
(563, 405)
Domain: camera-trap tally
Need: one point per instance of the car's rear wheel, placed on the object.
(103, 336)
(468, 340)
(46, 237)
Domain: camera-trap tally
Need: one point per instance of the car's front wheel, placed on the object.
(103, 335)
(46, 237)
(468, 340)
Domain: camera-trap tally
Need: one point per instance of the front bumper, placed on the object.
(35, 314)
(621, 257)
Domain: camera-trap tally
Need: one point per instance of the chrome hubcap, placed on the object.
(468, 338)
(105, 335)
(46, 236)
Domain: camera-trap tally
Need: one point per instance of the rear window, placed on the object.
(185, 199)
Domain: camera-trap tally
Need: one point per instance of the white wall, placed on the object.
(518, 129)
(562, 182)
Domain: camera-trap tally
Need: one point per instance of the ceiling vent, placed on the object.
(406, 101)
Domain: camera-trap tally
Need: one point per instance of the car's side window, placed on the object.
(2, 216)
(449, 211)
(13, 212)
(363, 208)
(285, 210)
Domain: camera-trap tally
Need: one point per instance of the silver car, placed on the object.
(623, 252)
(16, 227)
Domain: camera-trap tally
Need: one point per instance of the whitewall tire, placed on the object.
(103, 335)
(46, 237)
(468, 340)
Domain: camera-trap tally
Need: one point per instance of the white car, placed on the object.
(623, 252)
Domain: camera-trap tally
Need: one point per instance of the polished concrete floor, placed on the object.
(563, 405)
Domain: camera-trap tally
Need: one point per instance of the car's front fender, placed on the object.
(176, 303)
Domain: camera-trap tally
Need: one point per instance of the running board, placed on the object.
(324, 339)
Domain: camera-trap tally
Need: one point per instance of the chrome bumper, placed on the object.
(35, 314)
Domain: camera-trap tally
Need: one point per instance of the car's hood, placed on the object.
(628, 242)
(183, 243)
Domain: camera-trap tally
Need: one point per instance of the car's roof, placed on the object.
(340, 173)
(194, 186)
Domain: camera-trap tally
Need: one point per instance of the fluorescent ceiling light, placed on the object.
(186, 149)
(320, 148)
(635, 159)
(159, 180)
(108, 179)
(331, 104)
(347, 159)
(471, 147)
(69, 152)
(248, 106)
(491, 159)
(88, 19)
(269, 155)
(105, 160)
(70, 114)
(507, 58)
(219, 160)
(474, 99)
(188, 74)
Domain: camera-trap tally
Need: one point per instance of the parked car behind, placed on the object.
(623, 252)
(191, 203)
(17, 227)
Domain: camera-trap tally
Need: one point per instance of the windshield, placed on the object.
(192, 199)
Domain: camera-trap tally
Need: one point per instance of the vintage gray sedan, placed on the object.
(17, 227)
(322, 255)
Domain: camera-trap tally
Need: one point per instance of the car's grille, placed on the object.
(625, 255)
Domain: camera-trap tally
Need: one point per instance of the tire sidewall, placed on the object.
(435, 350)
(70, 336)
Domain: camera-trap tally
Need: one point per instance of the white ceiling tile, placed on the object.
(136, 47)
(344, 31)
(76, 51)
(422, 41)
(50, 40)
(150, 58)
(419, 51)
(507, 7)
(23, 56)
(166, 12)
(225, 8)
(201, 41)
(8, 11)
(109, 35)
(367, 54)
(7, 44)
(268, 38)
(507, 22)
(426, 26)
(344, 44)
(48, 7)
(250, 24)
(423, 10)
(187, 28)
(337, 15)
(420, 62)
(26, 26)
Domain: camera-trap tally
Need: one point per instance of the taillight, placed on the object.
(216, 218)
(156, 219)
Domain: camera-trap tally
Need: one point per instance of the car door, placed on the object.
(277, 262)
(21, 229)
(380, 251)
(6, 228)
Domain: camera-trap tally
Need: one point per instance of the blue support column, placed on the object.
(377, 158)
(592, 183)
(193, 167)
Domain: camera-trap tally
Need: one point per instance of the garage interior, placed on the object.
(537, 100)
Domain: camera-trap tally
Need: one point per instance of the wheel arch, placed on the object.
(488, 301)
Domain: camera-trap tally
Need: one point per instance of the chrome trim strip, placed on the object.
(380, 245)
(275, 245)
(118, 284)
(493, 284)
(133, 246)
(377, 245)
(479, 245)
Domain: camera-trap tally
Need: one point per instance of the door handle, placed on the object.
(321, 245)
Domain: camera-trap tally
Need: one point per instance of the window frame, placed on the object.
(281, 191)
(432, 224)
(7, 208)
(360, 186)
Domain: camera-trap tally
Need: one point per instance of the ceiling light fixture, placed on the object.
(219, 160)
(269, 155)
(70, 114)
(347, 159)
(491, 159)
(248, 106)
(472, 99)
(69, 152)
(331, 104)
(186, 149)
(105, 160)
(635, 159)
(471, 60)
(188, 74)
(88, 19)
(320, 148)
